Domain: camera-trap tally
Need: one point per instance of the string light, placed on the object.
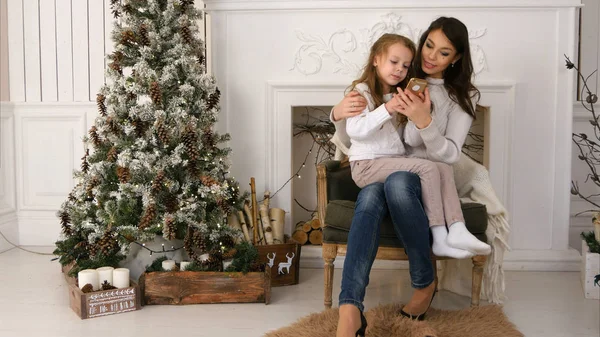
(295, 175)
(143, 245)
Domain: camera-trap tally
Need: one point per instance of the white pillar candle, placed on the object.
(88, 276)
(168, 265)
(105, 274)
(226, 263)
(183, 265)
(121, 277)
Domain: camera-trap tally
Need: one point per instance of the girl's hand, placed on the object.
(353, 104)
(415, 108)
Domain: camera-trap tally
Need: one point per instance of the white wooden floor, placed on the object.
(34, 302)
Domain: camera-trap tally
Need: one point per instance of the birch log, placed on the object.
(264, 218)
(267, 198)
(233, 222)
(251, 223)
(244, 226)
(277, 218)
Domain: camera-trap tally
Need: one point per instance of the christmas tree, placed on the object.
(152, 165)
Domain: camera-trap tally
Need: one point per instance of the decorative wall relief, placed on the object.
(342, 46)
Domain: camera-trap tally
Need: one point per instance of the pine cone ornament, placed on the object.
(123, 174)
(169, 228)
(215, 261)
(171, 203)
(144, 35)
(118, 56)
(208, 181)
(85, 166)
(65, 220)
(229, 254)
(224, 205)
(155, 93)
(94, 181)
(94, 136)
(227, 241)
(113, 126)
(190, 140)
(213, 99)
(158, 181)
(198, 241)
(100, 102)
(107, 243)
(162, 132)
(112, 154)
(88, 288)
(139, 126)
(186, 34)
(149, 215)
(116, 66)
(127, 37)
(188, 244)
(208, 138)
(107, 286)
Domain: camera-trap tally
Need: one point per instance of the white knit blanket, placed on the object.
(474, 185)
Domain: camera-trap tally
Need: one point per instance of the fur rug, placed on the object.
(385, 321)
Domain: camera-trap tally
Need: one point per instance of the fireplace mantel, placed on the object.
(271, 55)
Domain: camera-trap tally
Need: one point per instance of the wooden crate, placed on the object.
(197, 287)
(102, 303)
(284, 260)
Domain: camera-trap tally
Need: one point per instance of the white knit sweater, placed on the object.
(443, 138)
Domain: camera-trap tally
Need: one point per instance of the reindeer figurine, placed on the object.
(286, 265)
(271, 259)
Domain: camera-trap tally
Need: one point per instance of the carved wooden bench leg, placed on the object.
(478, 263)
(329, 255)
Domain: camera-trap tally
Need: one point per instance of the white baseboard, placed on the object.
(10, 229)
(518, 260)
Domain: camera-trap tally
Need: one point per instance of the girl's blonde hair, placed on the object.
(369, 75)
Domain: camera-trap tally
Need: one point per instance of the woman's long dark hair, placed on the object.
(457, 78)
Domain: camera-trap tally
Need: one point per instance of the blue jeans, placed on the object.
(400, 197)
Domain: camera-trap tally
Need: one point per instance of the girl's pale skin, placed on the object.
(438, 53)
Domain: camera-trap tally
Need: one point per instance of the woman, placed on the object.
(443, 56)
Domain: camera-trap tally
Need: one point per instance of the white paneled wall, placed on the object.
(589, 59)
(57, 49)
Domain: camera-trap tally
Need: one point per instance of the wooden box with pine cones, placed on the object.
(103, 302)
(203, 287)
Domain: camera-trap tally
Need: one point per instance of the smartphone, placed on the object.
(417, 85)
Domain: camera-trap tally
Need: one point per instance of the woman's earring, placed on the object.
(452, 65)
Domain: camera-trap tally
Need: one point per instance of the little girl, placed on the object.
(378, 150)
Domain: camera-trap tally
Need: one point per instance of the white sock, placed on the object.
(460, 237)
(441, 247)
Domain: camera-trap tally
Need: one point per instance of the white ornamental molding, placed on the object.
(343, 44)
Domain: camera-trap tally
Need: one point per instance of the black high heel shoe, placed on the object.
(419, 317)
(363, 326)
